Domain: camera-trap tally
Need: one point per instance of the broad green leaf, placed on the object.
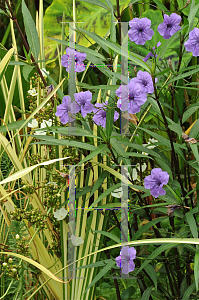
(189, 112)
(194, 130)
(96, 2)
(151, 272)
(12, 126)
(100, 274)
(160, 5)
(192, 224)
(94, 18)
(31, 32)
(75, 131)
(176, 128)
(36, 264)
(26, 71)
(128, 293)
(147, 293)
(27, 170)
(109, 235)
(5, 61)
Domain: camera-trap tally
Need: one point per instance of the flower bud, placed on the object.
(17, 237)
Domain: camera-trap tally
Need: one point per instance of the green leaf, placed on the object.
(109, 235)
(100, 149)
(110, 112)
(194, 130)
(152, 274)
(176, 128)
(189, 291)
(160, 5)
(105, 194)
(100, 275)
(189, 112)
(12, 126)
(47, 140)
(27, 170)
(128, 293)
(94, 18)
(184, 75)
(98, 183)
(26, 70)
(145, 228)
(147, 293)
(76, 131)
(153, 255)
(31, 32)
(96, 2)
(196, 269)
(192, 224)
(5, 61)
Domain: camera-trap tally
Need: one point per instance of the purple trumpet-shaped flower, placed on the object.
(155, 182)
(125, 259)
(65, 110)
(66, 60)
(83, 100)
(140, 31)
(100, 114)
(131, 97)
(192, 44)
(150, 54)
(144, 79)
(169, 26)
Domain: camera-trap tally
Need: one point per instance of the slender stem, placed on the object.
(176, 163)
(25, 42)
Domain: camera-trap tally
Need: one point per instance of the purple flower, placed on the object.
(66, 110)
(192, 45)
(140, 31)
(131, 97)
(100, 114)
(144, 79)
(66, 60)
(125, 260)
(150, 54)
(169, 26)
(83, 100)
(155, 182)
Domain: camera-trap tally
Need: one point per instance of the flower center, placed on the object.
(144, 83)
(140, 30)
(103, 114)
(169, 26)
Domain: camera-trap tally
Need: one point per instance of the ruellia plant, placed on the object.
(99, 155)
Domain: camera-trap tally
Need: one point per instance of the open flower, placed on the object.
(144, 79)
(79, 57)
(33, 123)
(60, 214)
(66, 109)
(83, 100)
(43, 125)
(192, 44)
(143, 167)
(155, 182)
(131, 97)
(44, 72)
(100, 114)
(76, 241)
(169, 26)
(117, 193)
(32, 92)
(140, 31)
(125, 259)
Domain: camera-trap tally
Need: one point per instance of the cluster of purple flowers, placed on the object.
(140, 32)
(133, 95)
